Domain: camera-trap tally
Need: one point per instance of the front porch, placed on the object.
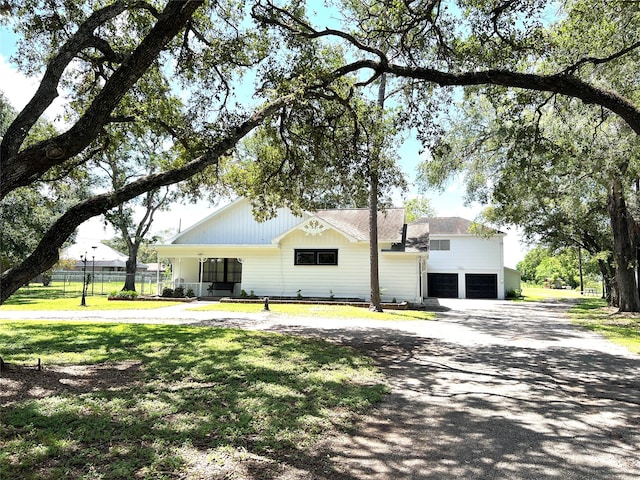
(214, 277)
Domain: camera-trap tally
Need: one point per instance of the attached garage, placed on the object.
(481, 285)
(442, 285)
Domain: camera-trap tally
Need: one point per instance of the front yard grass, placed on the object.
(319, 310)
(623, 329)
(537, 294)
(123, 401)
(24, 301)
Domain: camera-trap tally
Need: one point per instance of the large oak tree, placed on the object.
(99, 52)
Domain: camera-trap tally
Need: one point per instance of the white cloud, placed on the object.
(19, 89)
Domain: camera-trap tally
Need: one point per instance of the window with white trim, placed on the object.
(439, 245)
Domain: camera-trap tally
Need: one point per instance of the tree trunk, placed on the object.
(376, 301)
(623, 249)
(374, 162)
(132, 268)
(608, 273)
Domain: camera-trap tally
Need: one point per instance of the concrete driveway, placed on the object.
(491, 390)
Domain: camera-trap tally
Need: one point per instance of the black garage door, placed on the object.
(481, 285)
(442, 285)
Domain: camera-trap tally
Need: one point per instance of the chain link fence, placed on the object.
(103, 283)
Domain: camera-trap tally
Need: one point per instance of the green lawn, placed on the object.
(24, 302)
(123, 401)
(324, 311)
(44, 298)
(622, 329)
(58, 298)
(537, 294)
(592, 313)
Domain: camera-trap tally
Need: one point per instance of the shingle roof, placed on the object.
(355, 222)
(417, 237)
(448, 225)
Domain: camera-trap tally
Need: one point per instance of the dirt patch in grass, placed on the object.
(20, 382)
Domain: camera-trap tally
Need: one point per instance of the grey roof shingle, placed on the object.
(417, 237)
(448, 225)
(355, 222)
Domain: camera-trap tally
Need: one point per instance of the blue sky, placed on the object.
(19, 89)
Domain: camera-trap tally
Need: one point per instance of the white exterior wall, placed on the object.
(269, 270)
(185, 270)
(512, 279)
(399, 277)
(235, 225)
(276, 274)
(469, 254)
(273, 273)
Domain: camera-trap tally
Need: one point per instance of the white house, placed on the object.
(326, 253)
(99, 257)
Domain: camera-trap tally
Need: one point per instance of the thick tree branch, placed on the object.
(46, 253)
(23, 168)
(48, 89)
(599, 61)
(563, 84)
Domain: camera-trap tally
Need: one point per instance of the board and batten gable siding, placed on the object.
(235, 225)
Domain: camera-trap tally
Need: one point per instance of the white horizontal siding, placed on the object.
(261, 273)
(399, 277)
(350, 278)
(274, 273)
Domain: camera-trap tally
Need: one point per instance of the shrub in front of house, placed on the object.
(167, 292)
(124, 295)
(178, 292)
(512, 294)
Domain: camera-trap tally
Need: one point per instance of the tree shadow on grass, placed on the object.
(31, 295)
(188, 394)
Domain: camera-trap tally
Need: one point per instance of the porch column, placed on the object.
(201, 260)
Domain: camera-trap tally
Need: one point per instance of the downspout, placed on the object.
(420, 298)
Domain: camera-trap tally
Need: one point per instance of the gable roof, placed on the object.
(98, 255)
(354, 222)
(235, 224)
(206, 219)
(450, 225)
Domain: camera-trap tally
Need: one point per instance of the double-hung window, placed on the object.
(323, 256)
(440, 245)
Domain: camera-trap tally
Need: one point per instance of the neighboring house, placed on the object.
(100, 257)
(323, 254)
